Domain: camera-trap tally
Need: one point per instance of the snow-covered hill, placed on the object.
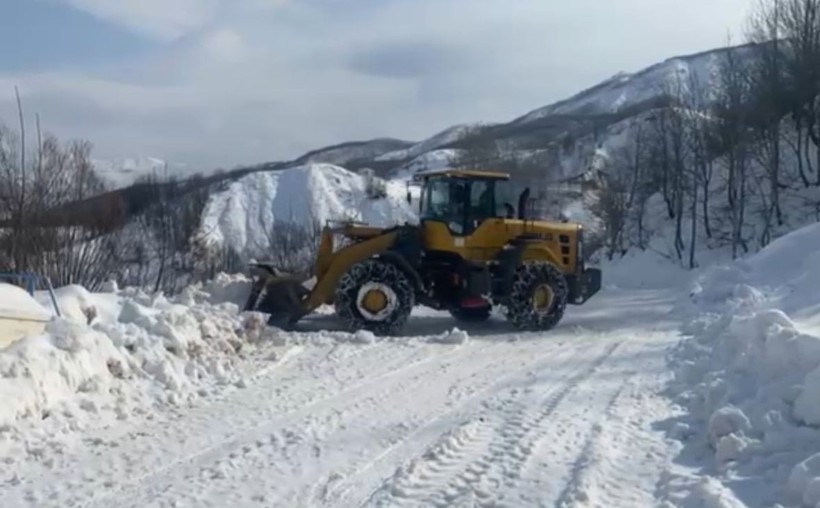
(244, 215)
(626, 90)
(570, 124)
(353, 151)
(438, 140)
(429, 161)
(567, 132)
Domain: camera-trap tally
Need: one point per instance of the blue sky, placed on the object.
(50, 34)
(216, 83)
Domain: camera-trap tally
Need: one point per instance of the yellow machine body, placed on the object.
(422, 251)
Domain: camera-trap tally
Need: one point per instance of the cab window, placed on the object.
(445, 200)
(436, 200)
(482, 199)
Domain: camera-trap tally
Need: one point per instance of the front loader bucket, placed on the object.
(278, 294)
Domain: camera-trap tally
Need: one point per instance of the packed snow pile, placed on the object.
(121, 353)
(786, 271)
(750, 376)
(244, 216)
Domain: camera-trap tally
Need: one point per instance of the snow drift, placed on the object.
(244, 215)
(750, 375)
(123, 352)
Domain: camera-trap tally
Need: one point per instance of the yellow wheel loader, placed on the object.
(468, 253)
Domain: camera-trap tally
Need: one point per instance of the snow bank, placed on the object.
(123, 353)
(786, 270)
(749, 375)
(642, 270)
(118, 354)
(79, 305)
(243, 215)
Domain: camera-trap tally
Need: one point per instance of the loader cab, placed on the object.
(464, 199)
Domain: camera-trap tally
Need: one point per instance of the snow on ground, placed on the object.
(123, 355)
(149, 401)
(749, 374)
(447, 415)
(244, 215)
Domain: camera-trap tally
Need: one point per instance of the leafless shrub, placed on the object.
(290, 246)
(47, 223)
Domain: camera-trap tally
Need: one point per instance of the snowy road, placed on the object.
(562, 419)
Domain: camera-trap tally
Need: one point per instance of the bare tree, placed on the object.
(731, 110)
(622, 199)
(799, 26)
(770, 97)
(169, 225)
(49, 225)
(476, 149)
(290, 245)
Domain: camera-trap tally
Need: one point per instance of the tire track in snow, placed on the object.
(487, 452)
(288, 390)
(144, 487)
(574, 491)
(426, 433)
(446, 391)
(623, 459)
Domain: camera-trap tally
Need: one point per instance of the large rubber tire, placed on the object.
(478, 315)
(374, 271)
(520, 310)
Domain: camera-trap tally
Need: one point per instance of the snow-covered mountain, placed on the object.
(244, 215)
(567, 135)
(624, 91)
(428, 161)
(443, 138)
(353, 151)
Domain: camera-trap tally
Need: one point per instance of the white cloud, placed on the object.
(244, 82)
(163, 19)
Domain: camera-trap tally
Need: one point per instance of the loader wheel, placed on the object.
(477, 315)
(538, 298)
(375, 296)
